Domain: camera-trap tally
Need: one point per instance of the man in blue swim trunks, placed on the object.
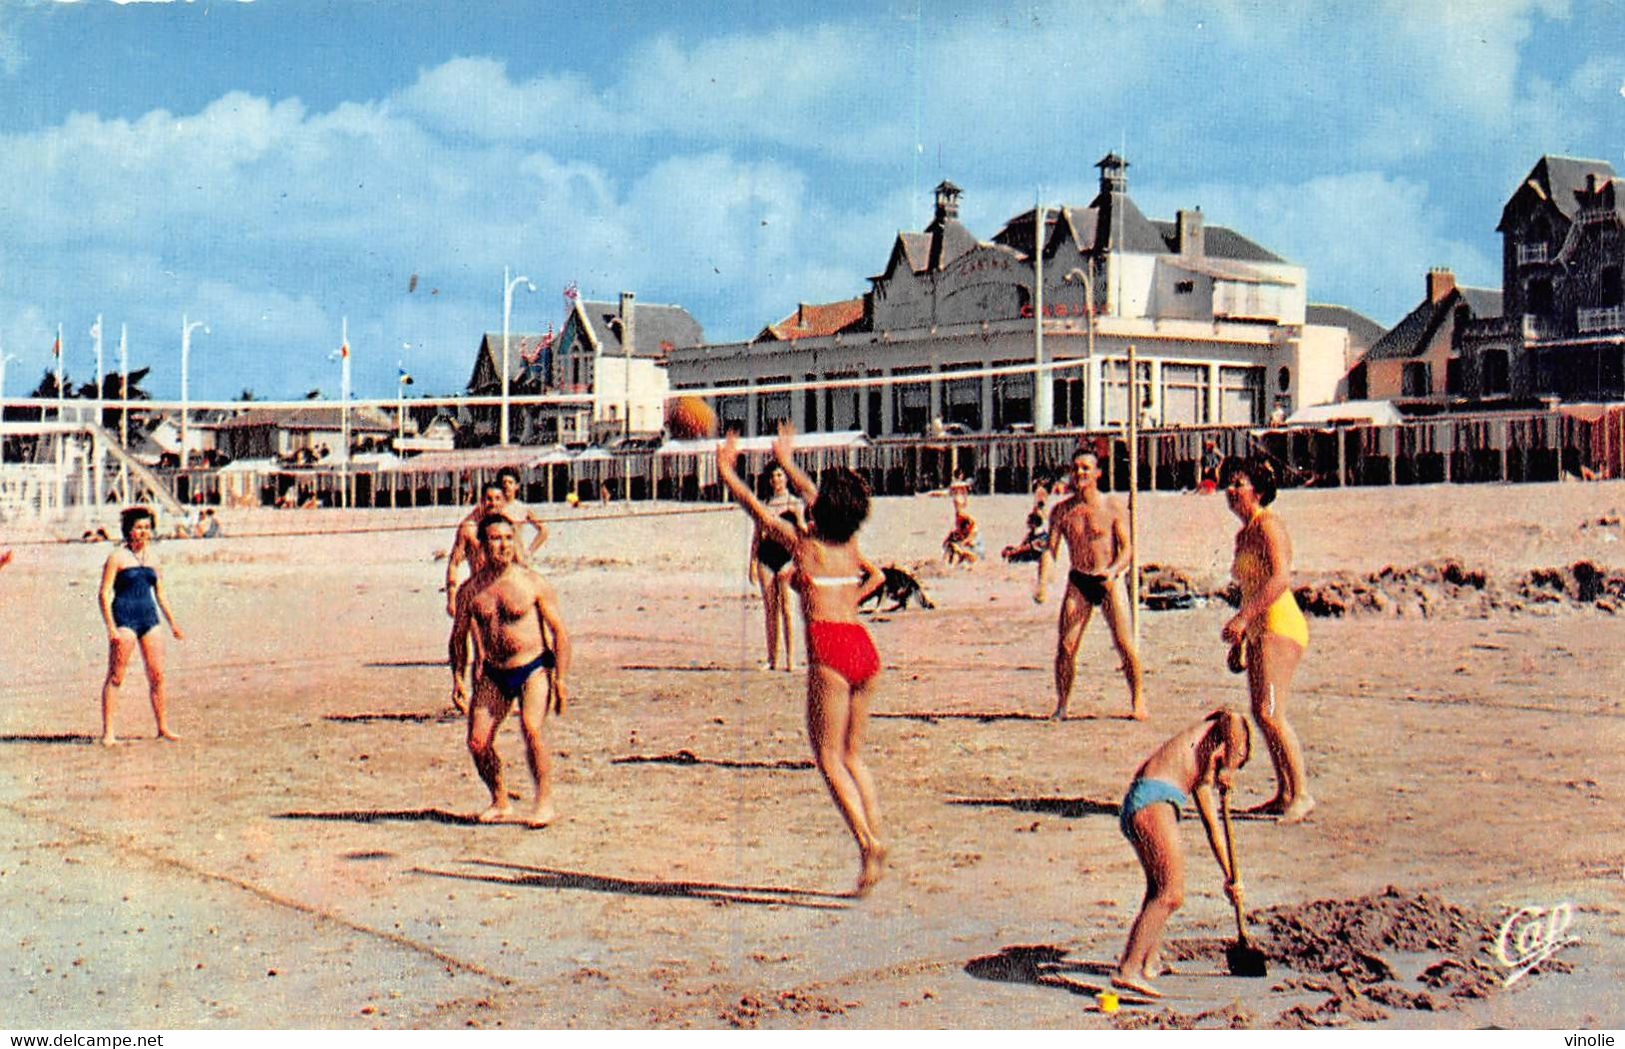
(521, 653)
(1190, 764)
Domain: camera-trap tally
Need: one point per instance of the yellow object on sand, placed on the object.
(1107, 1000)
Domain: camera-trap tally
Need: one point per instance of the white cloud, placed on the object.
(475, 97)
(1366, 239)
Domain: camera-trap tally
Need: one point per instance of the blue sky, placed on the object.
(272, 167)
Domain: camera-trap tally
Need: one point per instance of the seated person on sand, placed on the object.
(1190, 763)
(1033, 544)
(509, 612)
(963, 546)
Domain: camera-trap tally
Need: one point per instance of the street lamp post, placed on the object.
(5, 358)
(507, 309)
(186, 356)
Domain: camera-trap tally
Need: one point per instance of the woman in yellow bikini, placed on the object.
(1268, 629)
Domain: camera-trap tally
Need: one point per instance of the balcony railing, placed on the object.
(1605, 318)
(1528, 253)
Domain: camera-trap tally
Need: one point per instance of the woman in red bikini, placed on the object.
(842, 665)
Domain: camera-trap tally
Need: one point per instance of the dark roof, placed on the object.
(949, 240)
(656, 329)
(1363, 331)
(1097, 229)
(1409, 338)
(520, 344)
(317, 418)
(1556, 179)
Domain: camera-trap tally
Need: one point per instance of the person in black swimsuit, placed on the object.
(768, 559)
(132, 593)
(507, 619)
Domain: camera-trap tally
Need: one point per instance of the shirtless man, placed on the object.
(520, 514)
(466, 545)
(1096, 532)
(510, 612)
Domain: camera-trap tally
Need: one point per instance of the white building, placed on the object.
(1219, 326)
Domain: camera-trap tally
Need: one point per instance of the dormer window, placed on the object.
(1184, 287)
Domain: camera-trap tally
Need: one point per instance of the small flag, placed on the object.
(547, 337)
(405, 380)
(56, 347)
(96, 329)
(572, 291)
(344, 349)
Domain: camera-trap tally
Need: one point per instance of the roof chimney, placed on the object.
(947, 200)
(1190, 241)
(1113, 173)
(1441, 282)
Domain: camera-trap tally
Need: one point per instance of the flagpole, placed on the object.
(61, 479)
(97, 331)
(97, 454)
(344, 406)
(124, 410)
(59, 373)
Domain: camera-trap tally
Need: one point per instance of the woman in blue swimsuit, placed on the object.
(131, 597)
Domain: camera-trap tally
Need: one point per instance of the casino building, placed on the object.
(952, 327)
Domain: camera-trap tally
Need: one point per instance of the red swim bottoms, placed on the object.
(845, 648)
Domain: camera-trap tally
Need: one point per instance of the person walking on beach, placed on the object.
(520, 513)
(767, 566)
(465, 545)
(963, 546)
(843, 667)
(1096, 532)
(132, 595)
(1187, 765)
(1268, 629)
(522, 652)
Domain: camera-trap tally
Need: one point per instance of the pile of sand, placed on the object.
(1444, 587)
(1344, 950)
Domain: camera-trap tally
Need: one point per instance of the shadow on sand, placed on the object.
(1045, 965)
(58, 737)
(688, 757)
(440, 717)
(984, 716)
(549, 878)
(1067, 808)
(405, 663)
(385, 816)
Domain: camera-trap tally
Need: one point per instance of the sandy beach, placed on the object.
(306, 857)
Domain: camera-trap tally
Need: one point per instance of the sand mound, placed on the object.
(1345, 950)
(1443, 587)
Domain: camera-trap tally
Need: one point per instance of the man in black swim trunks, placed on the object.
(1096, 532)
(511, 613)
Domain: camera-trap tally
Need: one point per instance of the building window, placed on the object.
(1184, 287)
(1452, 375)
(809, 406)
(962, 400)
(1539, 296)
(1184, 395)
(1114, 390)
(1013, 397)
(1241, 395)
(772, 408)
(911, 403)
(1493, 372)
(1283, 379)
(1359, 386)
(1613, 294)
(1416, 380)
(842, 405)
(876, 405)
